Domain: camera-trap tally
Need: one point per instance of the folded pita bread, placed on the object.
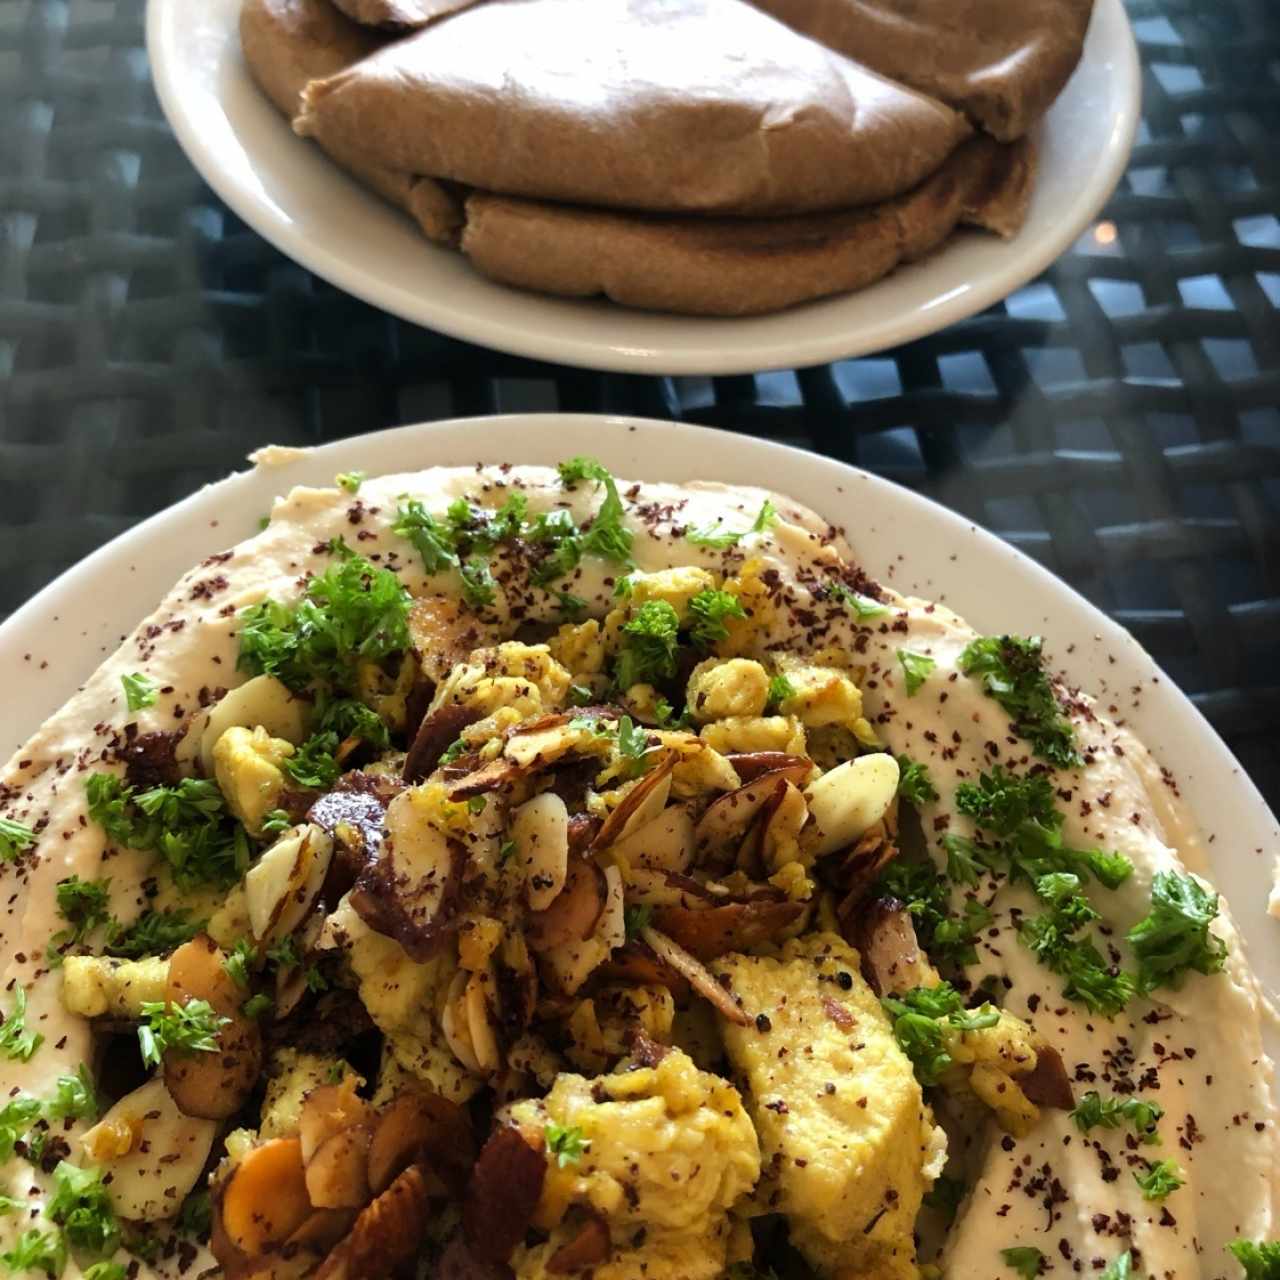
(399, 13)
(1002, 64)
(288, 43)
(738, 267)
(707, 106)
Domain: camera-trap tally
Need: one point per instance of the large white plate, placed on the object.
(55, 641)
(285, 189)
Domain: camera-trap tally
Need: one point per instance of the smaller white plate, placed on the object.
(287, 190)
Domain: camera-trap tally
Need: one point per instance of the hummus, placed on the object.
(814, 663)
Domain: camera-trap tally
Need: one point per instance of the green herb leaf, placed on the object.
(607, 536)
(139, 692)
(312, 764)
(37, 1250)
(1120, 1268)
(964, 860)
(1093, 1110)
(349, 718)
(572, 607)
(947, 938)
(1260, 1259)
(477, 804)
(946, 1196)
(455, 749)
(238, 962)
(81, 1205)
(1011, 669)
(637, 918)
(189, 1028)
(914, 784)
(16, 1042)
(862, 607)
(16, 1117)
(566, 1143)
(74, 1097)
(1027, 1261)
(709, 609)
(276, 823)
(154, 933)
(14, 837)
(257, 1005)
(1174, 938)
(1162, 1178)
(350, 480)
(196, 1215)
(649, 643)
(916, 668)
(716, 538)
(478, 585)
(580, 695)
(1054, 938)
(918, 1018)
(506, 851)
(83, 904)
(107, 1271)
(780, 689)
(431, 540)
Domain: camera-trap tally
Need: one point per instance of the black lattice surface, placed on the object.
(1118, 419)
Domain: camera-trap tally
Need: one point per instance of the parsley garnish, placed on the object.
(14, 837)
(196, 1216)
(565, 1142)
(914, 784)
(506, 851)
(918, 1018)
(1012, 672)
(154, 933)
(238, 962)
(709, 609)
(81, 1205)
(571, 607)
(1161, 1179)
(107, 1271)
(187, 824)
(16, 1117)
(431, 539)
(9, 1205)
(16, 1042)
(312, 764)
(37, 1250)
(633, 746)
(780, 689)
(139, 692)
(607, 536)
(354, 612)
(83, 905)
(637, 918)
(945, 1196)
(580, 695)
(349, 480)
(563, 540)
(1110, 1113)
(1260, 1259)
(862, 607)
(478, 585)
(964, 859)
(187, 1028)
(713, 536)
(1120, 1268)
(276, 823)
(74, 1097)
(477, 804)
(1027, 1261)
(349, 718)
(1055, 938)
(916, 668)
(947, 938)
(256, 1006)
(649, 645)
(1174, 937)
(455, 749)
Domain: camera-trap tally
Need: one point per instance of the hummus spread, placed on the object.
(520, 866)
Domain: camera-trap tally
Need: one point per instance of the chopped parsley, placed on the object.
(257, 1005)
(506, 851)
(945, 1196)
(1120, 1268)
(637, 918)
(1260, 1259)
(238, 962)
(187, 1028)
(432, 540)
(649, 643)
(1161, 1179)
(716, 538)
(916, 668)
(107, 1271)
(14, 837)
(83, 904)
(350, 480)
(566, 1143)
(139, 692)
(914, 784)
(187, 824)
(1110, 1113)
(1058, 944)
(354, 612)
(572, 607)
(1027, 1261)
(9, 1205)
(349, 718)
(276, 823)
(918, 1018)
(196, 1216)
(455, 749)
(579, 696)
(154, 933)
(74, 1097)
(81, 1206)
(16, 1042)
(633, 746)
(709, 609)
(477, 804)
(36, 1250)
(947, 938)
(1174, 937)
(780, 689)
(862, 607)
(478, 585)
(607, 536)
(556, 531)
(16, 1117)
(1011, 669)
(312, 764)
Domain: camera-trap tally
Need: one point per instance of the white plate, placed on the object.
(288, 191)
(55, 641)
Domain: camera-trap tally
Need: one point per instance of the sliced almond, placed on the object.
(386, 1234)
(415, 1126)
(338, 1171)
(455, 1023)
(710, 931)
(697, 974)
(329, 1110)
(588, 1247)
(540, 829)
(284, 883)
(848, 800)
(728, 817)
(891, 959)
(484, 1042)
(262, 701)
(665, 844)
(612, 930)
(574, 914)
(751, 764)
(266, 1200)
(640, 806)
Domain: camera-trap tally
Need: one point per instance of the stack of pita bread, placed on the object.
(711, 157)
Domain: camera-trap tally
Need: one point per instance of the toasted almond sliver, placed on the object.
(698, 975)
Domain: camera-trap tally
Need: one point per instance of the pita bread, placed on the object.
(707, 106)
(1001, 64)
(399, 13)
(738, 267)
(288, 43)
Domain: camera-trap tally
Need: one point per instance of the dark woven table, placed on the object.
(1118, 419)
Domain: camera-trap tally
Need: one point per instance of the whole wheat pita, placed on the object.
(1001, 64)
(707, 106)
(738, 267)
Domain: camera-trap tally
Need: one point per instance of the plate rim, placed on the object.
(715, 357)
